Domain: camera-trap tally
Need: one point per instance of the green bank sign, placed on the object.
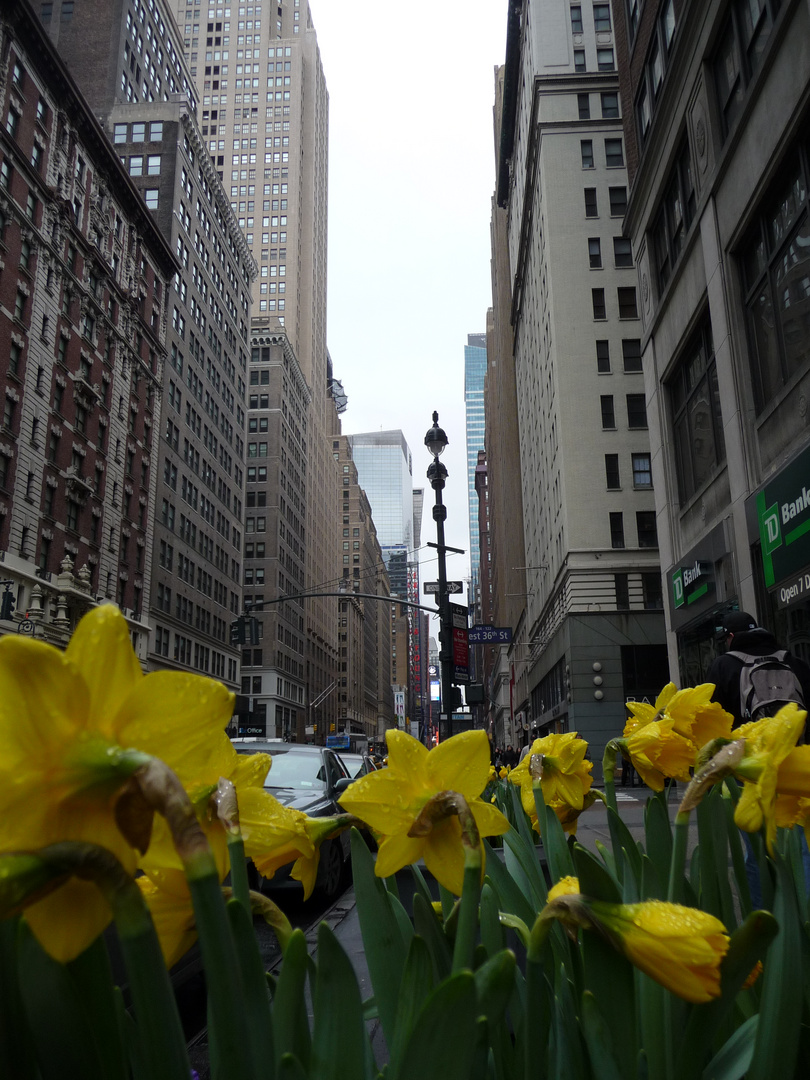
(690, 583)
(783, 516)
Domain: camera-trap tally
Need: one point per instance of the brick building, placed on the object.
(83, 290)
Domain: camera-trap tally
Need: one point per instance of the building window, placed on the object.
(612, 480)
(590, 202)
(608, 414)
(579, 60)
(603, 357)
(598, 299)
(595, 253)
(642, 471)
(601, 18)
(610, 106)
(631, 354)
(136, 166)
(153, 165)
(674, 216)
(614, 156)
(628, 308)
(150, 197)
(739, 55)
(620, 582)
(622, 251)
(616, 529)
(66, 13)
(584, 106)
(636, 411)
(652, 591)
(120, 133)
(618, 201)
(576, 20)
(696, 416)
(72, 515)
(646, 529)
(586, 150)
(776, 271)
(604, 59)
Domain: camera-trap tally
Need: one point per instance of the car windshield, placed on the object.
(294, 769)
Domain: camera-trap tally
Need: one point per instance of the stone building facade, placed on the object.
(83, 290)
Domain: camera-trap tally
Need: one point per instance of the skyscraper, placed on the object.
(128, 60)
(590, 567)
(264, 120)
(475, 369)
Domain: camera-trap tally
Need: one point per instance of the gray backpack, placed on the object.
(766, 684)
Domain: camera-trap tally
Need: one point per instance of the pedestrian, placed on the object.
(510, 758)
(747, 696)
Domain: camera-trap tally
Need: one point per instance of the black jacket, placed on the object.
(725, 670)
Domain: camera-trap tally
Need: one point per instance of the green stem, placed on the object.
(239, 878)
(609, 773)
(223, 979)
(677, 866)
(467, 929)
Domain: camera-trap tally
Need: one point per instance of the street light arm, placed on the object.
(255, 604)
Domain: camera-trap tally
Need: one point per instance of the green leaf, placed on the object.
(257, 993)
(62, 1033)
(598, 1041)
(594, 880)
(430, 929)
(715, 893)
(731, 1062)
(658, 835)
(442, 1043)
(622, 840)
(523, 854)
(610, 979)
(290, 1025)
(748, 944)
(554, 842)
(570, 1054)
(417, 985)
(402, 917)
(382, 936)
(421, 884)
(511, 898)
(494, 986)
(290, 1068)
(16, 1044)
(491, 931)
(730, 796)
(781, 1004)
(92, 974)
(467, 919)
(338, 1037)
(652, 887)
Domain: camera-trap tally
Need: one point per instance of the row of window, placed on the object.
(617, 199)
(601, 19)
(641, 469)
(636, 411)
(614, 154)
(626, 296)
(622, 252)
(646, 529)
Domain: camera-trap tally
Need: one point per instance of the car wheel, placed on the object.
(330, 870)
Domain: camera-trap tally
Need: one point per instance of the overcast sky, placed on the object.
(411, 176)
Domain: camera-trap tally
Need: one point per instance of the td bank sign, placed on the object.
(783, 517)
(690, 583)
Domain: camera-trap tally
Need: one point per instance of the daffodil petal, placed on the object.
(101, 652)
(460, 764)
(173, 917)
(444, 854)
(405, 753)
(43, 701)
(488, 818)
(381, 800)
(250, 770)
(305, 870)
(68, 921)
(396, 852)
(178, 717)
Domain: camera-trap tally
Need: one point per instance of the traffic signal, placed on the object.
(238, 631)
(7, 605)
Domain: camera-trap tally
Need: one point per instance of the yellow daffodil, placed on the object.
(569, 816)
(74, 726)
(566, 773)
(392, 801)
(695, 717)
(658, 752)
(679, 947)
(169, 903)
(566, 886)
(769, 743)
(504, 772)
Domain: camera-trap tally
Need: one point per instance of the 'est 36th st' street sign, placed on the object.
(489, 635)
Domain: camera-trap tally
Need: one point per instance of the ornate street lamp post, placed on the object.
(436, 442)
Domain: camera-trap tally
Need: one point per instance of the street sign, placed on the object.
(432, 587)
(490, 635)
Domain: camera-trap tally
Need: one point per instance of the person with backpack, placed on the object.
(754, 678)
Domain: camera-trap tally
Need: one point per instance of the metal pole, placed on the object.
(445, 619)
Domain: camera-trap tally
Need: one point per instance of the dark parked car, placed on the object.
(358, 764)
(306, 778)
